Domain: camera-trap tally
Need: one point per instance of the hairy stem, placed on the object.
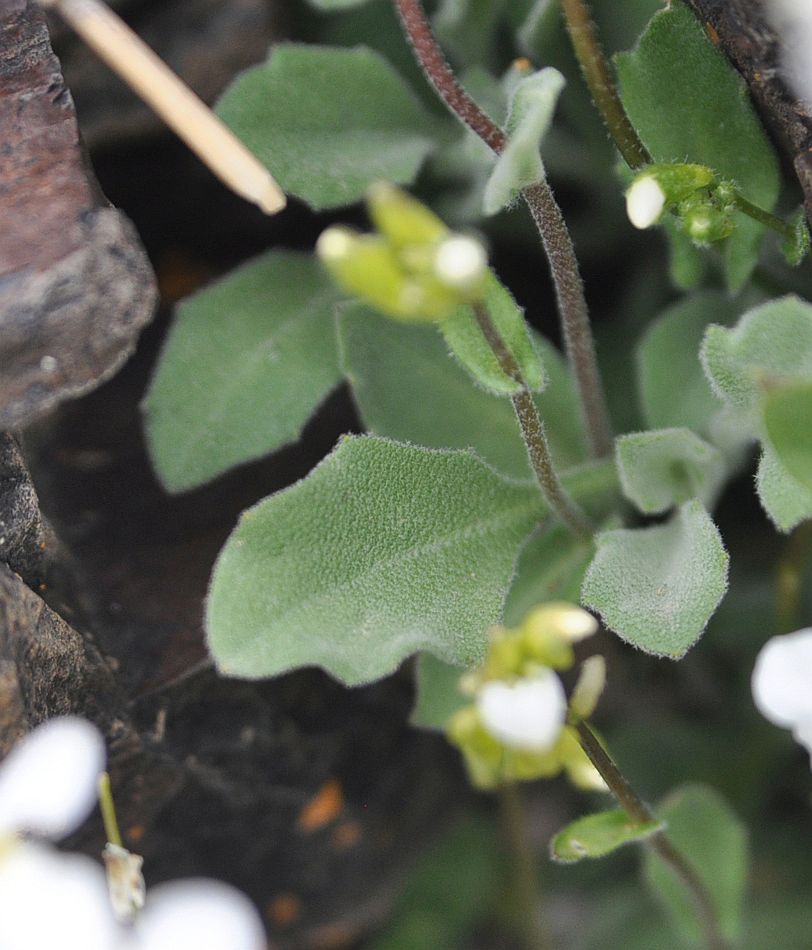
(576, 330)
(636, 809)
(599, 80)
(763, 217)
(525, 884)
(532, 429)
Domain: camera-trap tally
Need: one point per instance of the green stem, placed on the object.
(575, 326)
(108, 810)
(659, 842)
(601, 84)
(525, 878)
(763, 217)
(532, 429)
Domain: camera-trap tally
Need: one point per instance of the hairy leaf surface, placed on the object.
(384, 550)
(328, 122)
(657, 587)
(246, 363)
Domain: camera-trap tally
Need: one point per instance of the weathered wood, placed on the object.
(743, 33)
(75, 284)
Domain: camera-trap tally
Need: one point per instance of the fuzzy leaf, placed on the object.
(531, 113)
(437, 693)
(595, 836)
(329, 122)
(786, 501)
(708, 120)
(788, 423)
(408, 388)
(657, 587)
(666, 467)
(771, 345)
(376, 555)
(469, 29)
(714, 842)
(673, 388)
(247, 361)
(465, 339)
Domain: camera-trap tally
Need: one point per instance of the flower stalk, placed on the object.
(636, 809)
(598, 76)
(576, 329)
(532, 429)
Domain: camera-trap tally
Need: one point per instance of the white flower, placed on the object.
(782, 683)
(645, 201)
(48, 781)
(48, 899)
(460, 262)
(199, 914)
(53, 900)
(527, 714)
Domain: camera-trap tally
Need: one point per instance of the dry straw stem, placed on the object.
(126, 54)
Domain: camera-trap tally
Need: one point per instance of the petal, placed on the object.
(782, 679)
(49, 899)
(645, 201)
(528, 714)
(48, 781)
(206, 915)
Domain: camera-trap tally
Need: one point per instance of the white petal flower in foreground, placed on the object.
(782, 683)
(48, 781)
(645, 201)
(528, 714)
(53, 900)
(199, 914)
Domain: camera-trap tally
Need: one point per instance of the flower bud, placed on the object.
(659, 187)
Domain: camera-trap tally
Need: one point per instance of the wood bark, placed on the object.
(741, 30)
(76, 287)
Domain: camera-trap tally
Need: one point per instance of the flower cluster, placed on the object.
(516, 728)
(704, 206)
(52, 899)
(412, 268)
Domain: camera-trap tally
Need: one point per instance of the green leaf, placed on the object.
(551, 567)
(247, 361)
(770, 346)
(437, 693)
(673, 388)
(657, 587)
(408, 388)
(598, 835)
(468, 29)
(786, 501)
(666, 467)
(450, 890)
(329, 122)
(686, 262)
(711, 838)
(788, 424)
(467, 343)
(688, 104)
(531, 113)
(376, 555)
